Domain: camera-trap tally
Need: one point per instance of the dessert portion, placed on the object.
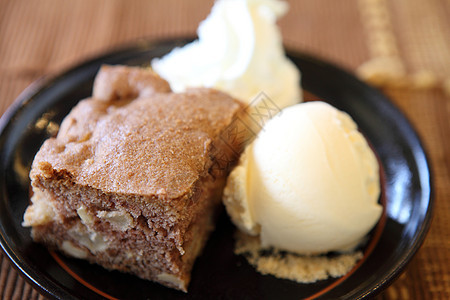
(239, 51)
(308, 184)
(129, 181)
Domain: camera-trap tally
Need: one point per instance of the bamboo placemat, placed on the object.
(41, 38)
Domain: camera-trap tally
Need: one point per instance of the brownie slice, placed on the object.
(130, 181)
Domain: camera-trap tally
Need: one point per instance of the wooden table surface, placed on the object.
(43, 38)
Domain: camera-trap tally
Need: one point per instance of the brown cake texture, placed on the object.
(129, 181)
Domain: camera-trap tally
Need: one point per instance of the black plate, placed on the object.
(218, 273)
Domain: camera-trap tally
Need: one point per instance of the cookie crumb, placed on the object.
(286, 265)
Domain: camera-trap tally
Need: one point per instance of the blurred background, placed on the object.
(402, 47)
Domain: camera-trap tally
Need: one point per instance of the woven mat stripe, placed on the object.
(423, 32)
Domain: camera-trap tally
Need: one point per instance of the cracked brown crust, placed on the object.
(141, 152)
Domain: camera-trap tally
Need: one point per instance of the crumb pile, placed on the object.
(299, 268)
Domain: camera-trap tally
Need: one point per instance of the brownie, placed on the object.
(130, 181)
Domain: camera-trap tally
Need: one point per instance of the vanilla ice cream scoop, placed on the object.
(309, 183)
(239, 51)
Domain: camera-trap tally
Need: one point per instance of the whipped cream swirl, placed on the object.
(239, 51)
